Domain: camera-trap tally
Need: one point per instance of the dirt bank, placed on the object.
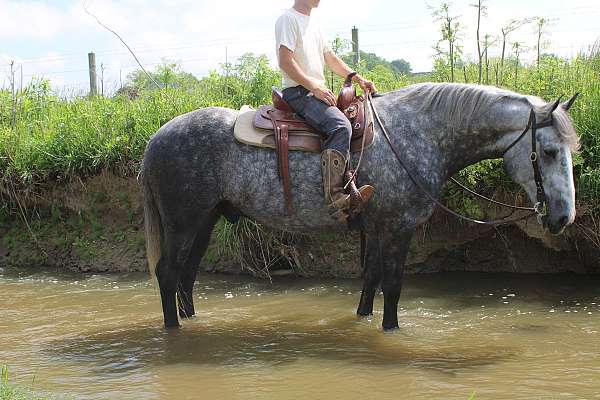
(97, 225)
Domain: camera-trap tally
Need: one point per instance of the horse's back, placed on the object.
(201, 128)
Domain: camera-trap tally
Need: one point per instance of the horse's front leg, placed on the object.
(371, 266)
(394, 249)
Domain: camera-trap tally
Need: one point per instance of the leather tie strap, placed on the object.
(281, 135)
(284, 167)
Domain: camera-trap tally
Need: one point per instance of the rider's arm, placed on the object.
(339, 67)
(290, 67)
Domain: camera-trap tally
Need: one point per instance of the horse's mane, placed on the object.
(460, 104)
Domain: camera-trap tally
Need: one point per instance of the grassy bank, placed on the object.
(48, 140)
(52, 138)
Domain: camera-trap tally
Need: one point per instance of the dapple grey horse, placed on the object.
(194, 172)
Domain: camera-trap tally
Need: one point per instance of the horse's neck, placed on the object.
(438, 150)
(485, 137)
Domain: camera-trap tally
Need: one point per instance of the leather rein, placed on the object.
(540, 206)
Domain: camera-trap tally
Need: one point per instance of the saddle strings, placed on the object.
(362, 149)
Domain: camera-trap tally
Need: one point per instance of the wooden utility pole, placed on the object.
(93, 78)
(355, 48)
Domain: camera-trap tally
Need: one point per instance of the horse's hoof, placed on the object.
(172, 326)
(361, 314)
(391, 328)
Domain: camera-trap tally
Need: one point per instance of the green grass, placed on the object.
(57, 139)
(9, 391)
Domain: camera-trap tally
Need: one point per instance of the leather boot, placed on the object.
(333, 166)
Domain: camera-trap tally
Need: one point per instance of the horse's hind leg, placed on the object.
(175, 251)
(188, 275)
(371, 264)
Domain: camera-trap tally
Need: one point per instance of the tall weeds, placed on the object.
(58, 138)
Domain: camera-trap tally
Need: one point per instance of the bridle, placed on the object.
(540, 206)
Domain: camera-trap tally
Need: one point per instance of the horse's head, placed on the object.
(555, 140)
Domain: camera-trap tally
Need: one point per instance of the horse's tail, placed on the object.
(152, 225)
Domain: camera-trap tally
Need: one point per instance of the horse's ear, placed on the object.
(568, 104)
(550, 108)
(555, 105)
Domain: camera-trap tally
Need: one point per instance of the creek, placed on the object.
(500, 336)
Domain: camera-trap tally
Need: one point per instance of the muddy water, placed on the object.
(502, 337)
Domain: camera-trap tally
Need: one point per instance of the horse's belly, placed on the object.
(254, 188)
(309, 212)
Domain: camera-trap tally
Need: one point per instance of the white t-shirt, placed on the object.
(301, 34)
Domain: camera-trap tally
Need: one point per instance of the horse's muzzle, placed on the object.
(555, 226)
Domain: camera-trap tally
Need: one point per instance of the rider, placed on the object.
(302, 52)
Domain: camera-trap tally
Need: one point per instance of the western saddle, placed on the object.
(288, 127)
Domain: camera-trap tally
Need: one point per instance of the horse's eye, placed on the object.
(551, 152)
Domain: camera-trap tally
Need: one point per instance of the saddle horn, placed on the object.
(568, 104)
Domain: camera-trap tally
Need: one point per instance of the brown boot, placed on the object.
(333, 166)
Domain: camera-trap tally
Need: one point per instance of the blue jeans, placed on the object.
(325, 118)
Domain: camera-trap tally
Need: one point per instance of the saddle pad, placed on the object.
(245, 132)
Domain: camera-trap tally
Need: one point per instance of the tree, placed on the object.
(450, 30)
(518, 48)
(168, 75)
(541, 25)
(481, 10)
(509, 28)
(488, 41)
(339, 46)
(256, 76)
(368, 61)
(401, 66)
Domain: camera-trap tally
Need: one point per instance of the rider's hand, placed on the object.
(324, 94)
(366, 85)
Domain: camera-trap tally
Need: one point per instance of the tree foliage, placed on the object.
(168, 75)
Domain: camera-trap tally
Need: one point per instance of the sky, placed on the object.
(51, 38)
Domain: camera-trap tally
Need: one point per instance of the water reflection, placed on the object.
(346, 341)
